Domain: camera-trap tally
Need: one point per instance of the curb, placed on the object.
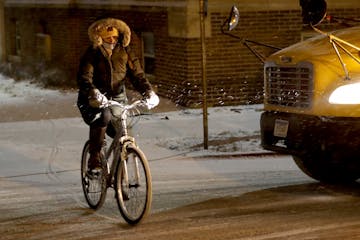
(239, 155)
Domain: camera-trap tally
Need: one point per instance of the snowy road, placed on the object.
(194, 198)
(48, 151)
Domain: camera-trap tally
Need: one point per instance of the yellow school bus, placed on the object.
(312, 105)
(312, 99)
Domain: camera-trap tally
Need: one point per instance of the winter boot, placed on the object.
(97, 136)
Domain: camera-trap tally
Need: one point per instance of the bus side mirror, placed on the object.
(233, 19)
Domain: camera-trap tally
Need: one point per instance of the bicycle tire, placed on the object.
(94, 188)
(133, 199)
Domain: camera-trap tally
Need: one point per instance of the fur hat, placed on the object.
(97, 29)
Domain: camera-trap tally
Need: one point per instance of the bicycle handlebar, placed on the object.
(136, 103)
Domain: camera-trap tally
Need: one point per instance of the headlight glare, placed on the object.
(346, 94)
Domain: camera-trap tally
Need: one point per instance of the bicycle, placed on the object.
(128, 172)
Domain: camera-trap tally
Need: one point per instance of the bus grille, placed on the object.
(289, 86)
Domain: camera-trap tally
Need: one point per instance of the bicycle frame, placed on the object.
(133, 188)
(119, 145)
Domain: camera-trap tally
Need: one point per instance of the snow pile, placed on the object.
(12, 91)
(233, 129)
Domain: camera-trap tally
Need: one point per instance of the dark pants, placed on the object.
(104, 121)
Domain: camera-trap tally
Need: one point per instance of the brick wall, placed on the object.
(234, 74)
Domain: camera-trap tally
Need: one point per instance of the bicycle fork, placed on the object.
(124, 159)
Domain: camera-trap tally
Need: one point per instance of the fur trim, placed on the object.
(95, 29)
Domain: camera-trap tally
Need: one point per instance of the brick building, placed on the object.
(47, 34)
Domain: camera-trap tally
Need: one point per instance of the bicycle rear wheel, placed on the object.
(94, 187)
(133, 186)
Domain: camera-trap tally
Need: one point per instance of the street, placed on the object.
(50, 204)
(253, 198)
(195, 196)
(263, 197)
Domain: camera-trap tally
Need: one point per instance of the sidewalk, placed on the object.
(232, 131)
(170, 129)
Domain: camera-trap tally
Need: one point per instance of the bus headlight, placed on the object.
(346, 94)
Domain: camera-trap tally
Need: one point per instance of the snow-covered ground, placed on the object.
(12, 91)
(231, 130)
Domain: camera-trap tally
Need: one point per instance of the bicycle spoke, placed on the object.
(94, 186)
(134, 195)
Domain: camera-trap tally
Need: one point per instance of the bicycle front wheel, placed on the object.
(94, 187)
(133, 185)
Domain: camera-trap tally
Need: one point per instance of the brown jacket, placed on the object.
(108, 74)
(98, 70)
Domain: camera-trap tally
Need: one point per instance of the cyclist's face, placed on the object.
(111, 40)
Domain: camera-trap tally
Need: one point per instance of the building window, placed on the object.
(149, 52)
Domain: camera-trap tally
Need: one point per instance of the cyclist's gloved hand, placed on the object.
(152, 100)
(97, 99)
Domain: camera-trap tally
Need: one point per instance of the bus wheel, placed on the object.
(326, 171)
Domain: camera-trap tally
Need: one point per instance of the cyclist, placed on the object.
(101, 76)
